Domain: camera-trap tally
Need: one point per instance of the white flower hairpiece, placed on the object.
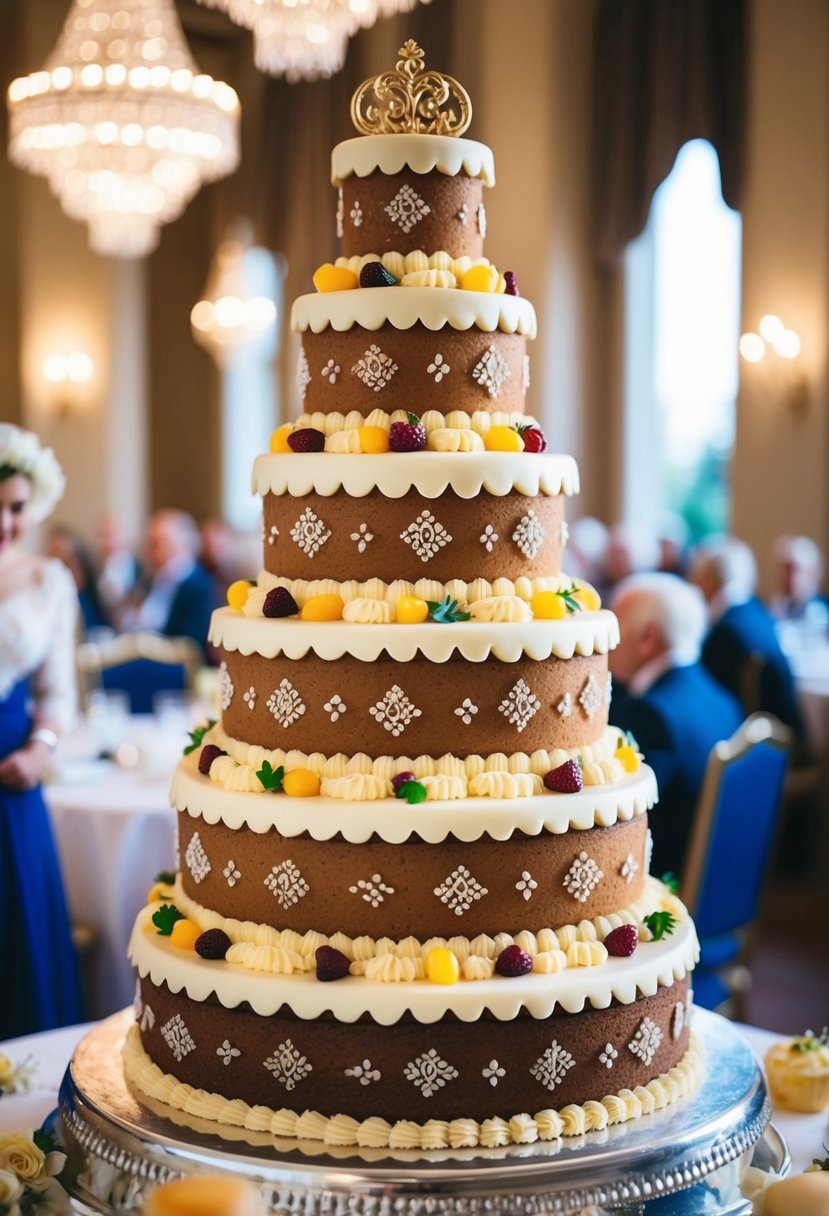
(22, 451)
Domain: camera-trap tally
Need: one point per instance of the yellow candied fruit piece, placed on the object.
(548, 606)
(441, 966)
(323, 608)
(411, 611)
(503, 439)
(335, 278)
(158, 891)
(628, 758)
(238, 592)
(301, 783)
(184, 934)
(373, 438)
(588, 597)
(205, 1196)
(479, 278)
(279, 439)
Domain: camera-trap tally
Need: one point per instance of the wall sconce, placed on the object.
(237, 307)
(778, 350)
(67, 375)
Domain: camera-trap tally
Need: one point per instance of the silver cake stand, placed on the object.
(684, 1161)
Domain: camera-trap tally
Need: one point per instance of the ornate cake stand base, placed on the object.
(121, 1144)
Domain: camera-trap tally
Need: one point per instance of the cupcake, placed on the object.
(798, 1073)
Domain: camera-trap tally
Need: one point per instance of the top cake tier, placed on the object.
(402, 193)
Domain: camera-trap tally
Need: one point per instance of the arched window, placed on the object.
(682, 318)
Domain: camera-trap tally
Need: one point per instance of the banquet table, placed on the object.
(52, 1050)
(114, 831)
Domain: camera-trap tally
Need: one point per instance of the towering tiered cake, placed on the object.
(413, 908)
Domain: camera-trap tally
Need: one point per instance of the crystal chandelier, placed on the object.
(122, 123)
(306, 39)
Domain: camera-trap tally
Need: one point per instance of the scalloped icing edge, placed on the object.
(302, 589)
(585, 634)
(341, 1130)
(402, 307)
(362, 949)
(429, 473)
(449, 154)
(655, 964)
(394, 821)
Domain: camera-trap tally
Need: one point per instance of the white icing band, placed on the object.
(389, 593)
(654, 965)
(403, 307)
(420, 153)
(395, 820)
(341, 1131)
(478, 421)
(583, 633)
(430, 473)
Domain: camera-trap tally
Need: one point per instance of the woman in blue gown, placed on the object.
(38, 612)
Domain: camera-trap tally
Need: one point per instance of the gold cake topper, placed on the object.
(408, 101)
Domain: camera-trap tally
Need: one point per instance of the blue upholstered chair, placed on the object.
(733, 833)
(140, 664)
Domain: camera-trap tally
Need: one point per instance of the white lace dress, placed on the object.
(38, 636)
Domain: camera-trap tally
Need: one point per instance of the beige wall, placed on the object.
(782, 461)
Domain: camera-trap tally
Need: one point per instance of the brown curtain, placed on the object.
(666, 71)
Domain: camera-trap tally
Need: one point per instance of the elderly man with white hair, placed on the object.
(667, 700)
(799, 572)
(742, 650)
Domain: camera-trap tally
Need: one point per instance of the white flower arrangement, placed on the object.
(29, 1164)
(22, 451)
(16, 1078)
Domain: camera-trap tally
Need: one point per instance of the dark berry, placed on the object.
(534, 439)
(566, 779)
(207, 755)
(331, 964)
(623, 941)
(307, 439)
(280, 602)
(374, 274)
(513, 961)
(407, 436)
(511, 284)
(213, 944)
(400, 779)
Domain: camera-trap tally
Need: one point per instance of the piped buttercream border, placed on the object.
(402, 307)
(420, 153)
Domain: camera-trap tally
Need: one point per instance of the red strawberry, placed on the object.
(306, 439)
(212, 944)
(206, 757)
(511, 288)
(534, 439)
(623, 941)
(279, 602)
(407, 436)
(331, 964)
(566, 779)
(400, 779)
(374, 274)
(513, 961)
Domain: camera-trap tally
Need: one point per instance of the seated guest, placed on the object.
(118, 570)
(675, 710)
(178, 593)
(799, 570)
(68, 547)
(741, 632)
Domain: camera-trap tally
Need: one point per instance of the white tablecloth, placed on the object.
(114, 831)
(805, 1134)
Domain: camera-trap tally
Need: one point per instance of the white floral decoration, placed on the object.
(374, 368)
(22, 451)
(310, 532)
(303, 373)
(608, 1055)
(225, 686)
(362, 537)
(177, 1037)
(438, 368)
(372, 890)
(340, 213)
(465, 711)
(565, 706)
(331, 371)
(529, 534)
(526, 884)
(591, 696)
(364, 1072)
(551, 1067)
(336, 707)
(459, 890)
(493, 1072)
(491, 371)
(608, 689)
(273, 532)
(288, 1066)
(582, 877)
(520, 705)
(197, 860)
(482, 219)
(395, 712)
(286, 704)
(407, 208)
(231, 874)
(249, 697)
(526, 381)
(488, 538)
(645, 1043)
(147, 1019)
(426, 536)
(227, 1053)
(356, 214)
(286, 884)
(677, 1020)
(429, 1072)
(630, 868)
(463, 214)
(563, 533)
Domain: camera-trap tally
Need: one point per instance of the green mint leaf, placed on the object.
(165, 876)
(412, 791)
(197, 735)
(271, 777)
(661, 924)
(671, 882)
(165, 917)
(567, 593)
(446, 611)
(413, 418)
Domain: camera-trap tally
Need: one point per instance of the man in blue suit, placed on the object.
(741, 650)
(664, 696)
(179, 596)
